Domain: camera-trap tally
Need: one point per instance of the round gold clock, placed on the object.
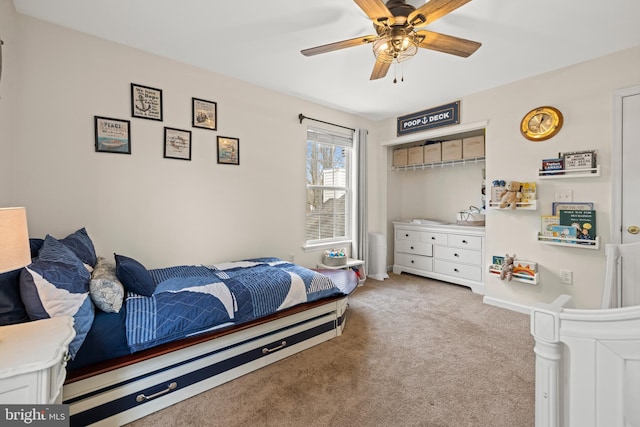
(541, 123)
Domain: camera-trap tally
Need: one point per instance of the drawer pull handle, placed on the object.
(143, 398)
(411, 247)
(406, 235)
(464, 241)
(433, 238)
(456, 255)
(411, 261)
(456, 270)
(271, 350)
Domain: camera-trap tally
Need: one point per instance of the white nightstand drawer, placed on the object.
(414, 261)
(468, 242)
(462, 271)
(418, 248)
(458, 255)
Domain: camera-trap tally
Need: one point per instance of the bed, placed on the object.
(146, 339)
(588, 361)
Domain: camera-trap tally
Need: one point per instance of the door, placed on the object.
(630, 221)
(625, 213)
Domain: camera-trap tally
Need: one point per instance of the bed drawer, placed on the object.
(417, 248)
(414, 261)
(460, 271)
(464, 256)
(128, 393)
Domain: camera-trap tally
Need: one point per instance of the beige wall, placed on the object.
(166, 212)
(160, 211)
(584, 94)
(8, 85)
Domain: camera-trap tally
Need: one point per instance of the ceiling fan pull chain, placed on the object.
(395, 73)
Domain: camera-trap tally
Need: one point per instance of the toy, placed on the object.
(507, 267)
(511, 195)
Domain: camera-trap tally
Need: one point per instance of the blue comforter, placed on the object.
(192, 299)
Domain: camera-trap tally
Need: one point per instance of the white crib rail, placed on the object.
(587, 365)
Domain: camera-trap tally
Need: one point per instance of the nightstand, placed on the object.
(33, 357)
(351, 262)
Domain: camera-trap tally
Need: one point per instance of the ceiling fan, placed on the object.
(397, 38)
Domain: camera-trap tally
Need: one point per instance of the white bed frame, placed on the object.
(588, 361)
(128, 392)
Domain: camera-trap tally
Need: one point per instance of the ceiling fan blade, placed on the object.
(447, 44)
(432, 11)
(376, 11)
(380, 70)
(337, 45)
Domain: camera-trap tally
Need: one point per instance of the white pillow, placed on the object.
(107, 293)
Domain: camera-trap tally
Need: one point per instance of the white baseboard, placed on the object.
(521, 308)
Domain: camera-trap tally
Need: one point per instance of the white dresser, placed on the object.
(33, 357)
(452, 253)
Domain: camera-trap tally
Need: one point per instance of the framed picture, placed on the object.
(146, 102)
(228, 150)
(579, 159)
(177, 144)
(112, 135)
(204, 114)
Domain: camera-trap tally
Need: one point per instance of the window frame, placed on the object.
(321, 136)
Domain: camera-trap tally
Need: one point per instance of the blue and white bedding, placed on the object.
(192, 299)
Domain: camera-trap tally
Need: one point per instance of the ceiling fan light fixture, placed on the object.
(395, 45)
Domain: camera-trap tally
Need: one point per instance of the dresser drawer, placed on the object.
(461, 271)
(468, 242)
(435, 238)
(414, 261)
(418, 248)
(414, 236)
(465, 256)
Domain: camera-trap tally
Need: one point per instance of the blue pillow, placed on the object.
(81, 245)
(134, 276)
(11, 307)
(57, 284)
(35, 245)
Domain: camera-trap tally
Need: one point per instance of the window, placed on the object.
(329, 193)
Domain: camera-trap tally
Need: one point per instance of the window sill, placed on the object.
(328, 245)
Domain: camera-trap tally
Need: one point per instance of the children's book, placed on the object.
(563, 232)
(584, 221)
(547, 223)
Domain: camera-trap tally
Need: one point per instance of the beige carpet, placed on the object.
(415, 352)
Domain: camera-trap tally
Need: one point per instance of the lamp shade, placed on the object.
(14, 239)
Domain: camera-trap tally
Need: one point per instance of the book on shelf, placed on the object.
(564, 232)
(558, 206)
(553, 166)
(528, 190)
(546, 224)
(584, 221)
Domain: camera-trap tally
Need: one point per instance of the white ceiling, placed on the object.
(259, 41)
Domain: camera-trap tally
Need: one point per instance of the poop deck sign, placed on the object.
(444, 115)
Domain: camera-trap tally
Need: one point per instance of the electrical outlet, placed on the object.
(564, 196)
(566, 276)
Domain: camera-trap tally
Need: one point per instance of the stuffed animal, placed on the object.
(507, 267)
(511, 195)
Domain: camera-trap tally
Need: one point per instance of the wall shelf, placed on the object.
(570, 173)
(571, 243)
(495, 270)
(461, 162)
(529, 206)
